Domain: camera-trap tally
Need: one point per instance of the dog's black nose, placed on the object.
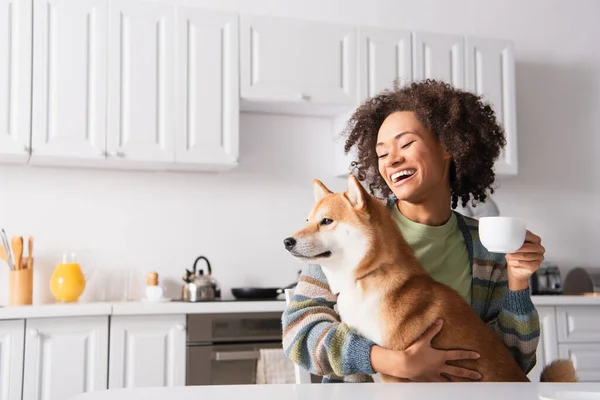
(289, 243)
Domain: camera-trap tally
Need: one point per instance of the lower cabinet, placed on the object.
(569, 332)
(65, 357)
(12, 342)
(147, 350)
(57, 358)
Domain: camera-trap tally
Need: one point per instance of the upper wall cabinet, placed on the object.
(384, 55)
(481, 65)
(439, 56)
(134, 84)
(15, 80)
(69, 81)
(208, 89)
(141, 93)
(296, 64)
(490, 71)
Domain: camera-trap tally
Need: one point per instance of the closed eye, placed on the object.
(326, 221)
(407, 145)
(382, 156)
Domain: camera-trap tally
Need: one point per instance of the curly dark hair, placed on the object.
(465, 125)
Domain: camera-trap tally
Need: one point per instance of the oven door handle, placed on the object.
(236, 355)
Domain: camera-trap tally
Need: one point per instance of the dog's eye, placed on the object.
(326, 221)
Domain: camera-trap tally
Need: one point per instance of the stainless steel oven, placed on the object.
(223, 349)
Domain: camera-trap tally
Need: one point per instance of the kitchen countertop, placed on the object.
(345, 391)
(178, 307)
(137, 308)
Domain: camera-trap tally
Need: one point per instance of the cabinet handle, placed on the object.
(304, 97)
(120, 154)
(34, 333)
(236, 355)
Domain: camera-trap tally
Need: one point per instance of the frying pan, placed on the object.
(256, 293)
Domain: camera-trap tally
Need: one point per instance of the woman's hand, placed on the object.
(422, 363)
(524, 262)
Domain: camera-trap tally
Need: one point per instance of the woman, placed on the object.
(423, 148)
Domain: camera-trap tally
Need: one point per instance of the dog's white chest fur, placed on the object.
(362, 312)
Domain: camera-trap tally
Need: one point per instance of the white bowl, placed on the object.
(502, 234)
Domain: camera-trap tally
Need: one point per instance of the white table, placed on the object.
(348, 391)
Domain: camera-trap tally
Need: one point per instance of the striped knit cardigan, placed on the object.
(316, 339)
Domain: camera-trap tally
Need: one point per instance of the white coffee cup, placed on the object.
(502, 234)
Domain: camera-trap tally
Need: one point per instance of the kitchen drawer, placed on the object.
(585, 357)
(578, 324)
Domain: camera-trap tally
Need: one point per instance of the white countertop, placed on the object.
(178, 307)
(137, 308)
(346, 391)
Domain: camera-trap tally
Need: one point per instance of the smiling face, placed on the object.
(411, 160)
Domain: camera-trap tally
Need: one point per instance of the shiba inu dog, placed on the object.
(384, 293)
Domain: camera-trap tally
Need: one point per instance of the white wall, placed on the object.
(147, 221)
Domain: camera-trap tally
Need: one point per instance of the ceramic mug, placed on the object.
(502, 234)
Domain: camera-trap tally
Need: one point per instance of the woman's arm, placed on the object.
(314, 337)
(517, 324)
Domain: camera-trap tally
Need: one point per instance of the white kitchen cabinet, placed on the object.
(547, 350)
(69, 82)
(11, 359)
(439, 56)
(585, 357)
(578, 324)
(15, 80)
(490, 71)
(288, 61)
(65, 357)
(384, 55)
(141, 92)
(208, 89)
(147, 350)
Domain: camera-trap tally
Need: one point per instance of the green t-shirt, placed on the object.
(441, 250)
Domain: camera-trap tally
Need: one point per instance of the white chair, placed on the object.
(302, 376)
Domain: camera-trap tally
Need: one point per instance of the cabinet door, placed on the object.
(65, 357)
(141, 92)
(585, 358)
(208, 96)
(384, 55)
(11, 359)
(547, 350)
(578, 324)
(297, 61)
(147, 351)
(440, 57)
(490, 71)
(69, 81)
(15, 80)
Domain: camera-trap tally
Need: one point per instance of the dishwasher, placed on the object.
(224, 348)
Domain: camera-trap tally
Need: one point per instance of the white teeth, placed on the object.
(406, 172)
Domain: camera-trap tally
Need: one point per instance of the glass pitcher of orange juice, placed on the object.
(69, 279)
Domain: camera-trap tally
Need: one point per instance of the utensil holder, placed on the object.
(20, 286)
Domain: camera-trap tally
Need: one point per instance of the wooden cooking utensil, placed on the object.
(17, 247)
(29, 251)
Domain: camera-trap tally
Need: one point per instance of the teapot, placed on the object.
(68, 280)
(199, 286)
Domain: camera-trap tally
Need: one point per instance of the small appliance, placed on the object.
(546, 280)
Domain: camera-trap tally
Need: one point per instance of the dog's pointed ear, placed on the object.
(356, 193)
(319, 190)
